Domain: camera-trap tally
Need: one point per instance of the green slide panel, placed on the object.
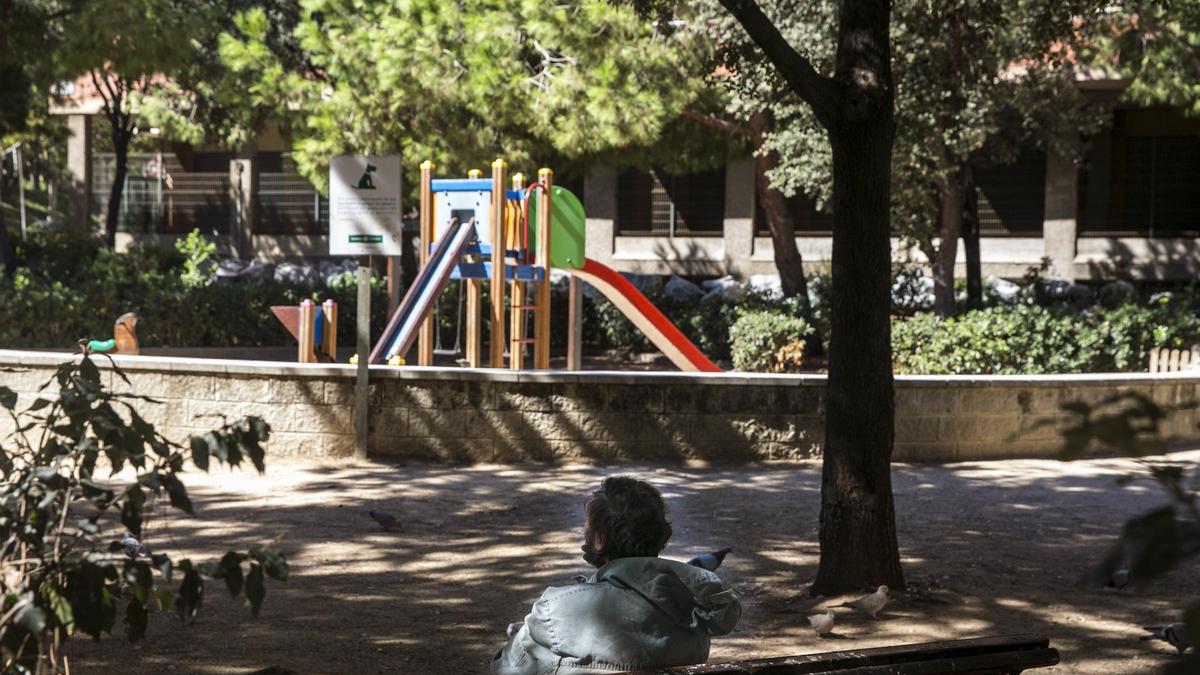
(567, 223)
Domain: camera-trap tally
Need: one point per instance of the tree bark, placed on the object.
(856, 106)
(970, 236)
(788, 260)
(7, 257)
(116, 192)
(950, 218)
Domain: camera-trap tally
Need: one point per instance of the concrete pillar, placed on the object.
(1060, 224)
(600, 194)
(243, 185)
(79, 166)
(739, 216)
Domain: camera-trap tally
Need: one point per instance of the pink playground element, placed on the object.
(638, 308)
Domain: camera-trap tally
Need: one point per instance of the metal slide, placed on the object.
(421, 297)
(638, 309)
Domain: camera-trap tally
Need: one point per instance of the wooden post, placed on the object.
(425, 336)
(474, 346)
(306, 331)
(499, 282)
(363, 348)
(394, 284)
(329, 310)
(575, 326)
(541, 317)
(516, 343)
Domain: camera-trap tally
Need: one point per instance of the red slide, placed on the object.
(638, 309)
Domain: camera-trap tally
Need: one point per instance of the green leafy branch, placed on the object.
(64, 571)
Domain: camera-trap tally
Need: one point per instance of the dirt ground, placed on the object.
(989, 548)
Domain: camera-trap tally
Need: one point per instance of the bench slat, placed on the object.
(1005, 654)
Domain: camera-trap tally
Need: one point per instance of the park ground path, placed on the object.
(989, 548)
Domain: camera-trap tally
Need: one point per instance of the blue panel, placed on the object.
(514, 194)
(483, 270)
(460, 185)
(318, 328)
(486, 249)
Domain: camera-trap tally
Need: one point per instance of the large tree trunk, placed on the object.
(950, 213)
(970, 236)
(858, 522)
(858, 519)
(120, 140)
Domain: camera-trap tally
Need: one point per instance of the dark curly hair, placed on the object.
(630, 517)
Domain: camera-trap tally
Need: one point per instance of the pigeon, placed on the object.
(1174, 634)
(869, 604)
(387, 521)
(579, 579)
(711, 561)
(130, 546)
(1119, 580)
(822, 623)
(512, 629)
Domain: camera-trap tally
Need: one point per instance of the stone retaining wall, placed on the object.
(502, 416)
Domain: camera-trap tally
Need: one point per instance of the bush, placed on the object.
(767, 341)
(1031, 340)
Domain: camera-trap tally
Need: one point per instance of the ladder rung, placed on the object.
(524, 341)
(525, 308)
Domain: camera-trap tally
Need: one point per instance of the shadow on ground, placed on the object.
(989, 548)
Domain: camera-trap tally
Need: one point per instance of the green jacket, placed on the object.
(635, 613)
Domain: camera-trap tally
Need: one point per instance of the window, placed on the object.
(1162, 185)
(808, 220)
(659, 203)
(1012, 197)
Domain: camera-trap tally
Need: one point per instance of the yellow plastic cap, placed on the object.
(499, 163)
(474, 173)
(354, 359)
(428, 165)
(396, 360)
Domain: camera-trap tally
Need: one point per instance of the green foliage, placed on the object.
(766, 341)
(1163, 539)
(197, 252)
(65, 568)
(1030, 340)
(71, 288)
(463, 83)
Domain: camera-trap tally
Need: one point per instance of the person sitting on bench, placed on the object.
(637, 612)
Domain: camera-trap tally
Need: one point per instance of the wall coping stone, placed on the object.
(179, 364)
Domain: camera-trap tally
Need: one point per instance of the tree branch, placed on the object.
(719, 123)
(818, 91)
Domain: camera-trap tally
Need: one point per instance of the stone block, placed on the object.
(340, 445)
(916, 428)
(923, 400)
(338, 392)
(974, 428)
(918, 452)
(528, 396)
(592, 426)
(436, 423)
(798, 399)
(407, 394)
(466, 395)
(630, 398)
(765, 428)
(579, 397)
(543, 450)
(790, 451)
(229, 388)
(290, 444)
(307, 390)
(324, 419)
(665, 429)
(211, 414)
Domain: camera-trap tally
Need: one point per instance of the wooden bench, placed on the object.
(1006, 655)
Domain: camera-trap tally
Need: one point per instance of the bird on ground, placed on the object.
(579, 579)
(1119, 579)
(711, 561)
(512, 629)
(869, 604)
(130, 546)
(387, 521)
(1174, 634)
(822, 623)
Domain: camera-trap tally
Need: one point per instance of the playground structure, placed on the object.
(124, 339)
(473, 229)
(314, 327)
